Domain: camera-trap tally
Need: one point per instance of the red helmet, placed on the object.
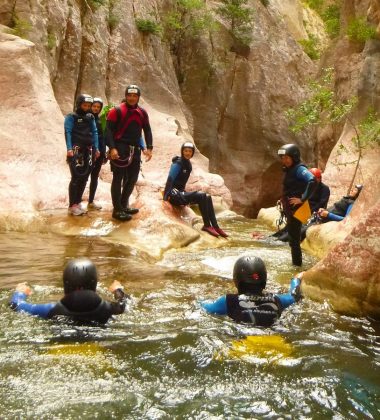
(317, 173)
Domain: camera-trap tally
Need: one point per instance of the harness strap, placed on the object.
(124, 163)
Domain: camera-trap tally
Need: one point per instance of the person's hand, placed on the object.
(23, 288)
(299, 275)
(148, 153)
(323, 213)
(115, 285)
(97, 154)
(114, 154)
(295, 200)
(70, 153)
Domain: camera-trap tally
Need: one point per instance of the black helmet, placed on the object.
(83, 97)
(133, 89)
(250, 275)
(98, 100)
(188, 145)
(291, 150)
(80, 274)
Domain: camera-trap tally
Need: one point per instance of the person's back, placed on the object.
(251, 304)
(81, 303)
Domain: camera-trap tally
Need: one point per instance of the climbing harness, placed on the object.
(282, 219)
(124, 163)
(81, 162)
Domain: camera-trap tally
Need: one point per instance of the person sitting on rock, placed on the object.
(176, 195)
(81, 303)
(342, 208)
(251, 304)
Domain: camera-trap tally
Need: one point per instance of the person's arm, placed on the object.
(294, 294)
(142, 143)
(19, 304)
(94, 131)
(68, 126)
(173, 173)
(118, 292)
(147, 131)
(306, 176)
(217, 307)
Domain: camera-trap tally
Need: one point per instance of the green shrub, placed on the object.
(51, 41)
(148, 26)
(310, 46)
(95, 4)
(20, 27)
(316, 5)
(360, 31)
(113, 20)
(239, 17)
(331, 18)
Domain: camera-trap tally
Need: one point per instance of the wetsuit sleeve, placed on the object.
(19, 304)
(69, 125)
(293, 296)
(218, 306)
(142, 143)
(173, 173)
(94, 131)
(147, 131)
(111, 125)
(304, 175)
(332, 217)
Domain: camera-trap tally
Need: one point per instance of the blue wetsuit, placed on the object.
(261, 310)
(83, 306)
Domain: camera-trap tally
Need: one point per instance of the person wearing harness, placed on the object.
(298, 186)
(81, 304)
(82, 149)
(176, 195)
(342, 208)
(251, 304)
(319, 198)
(125, 124)
(96, 109)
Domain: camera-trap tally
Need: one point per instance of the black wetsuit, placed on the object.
(124, 128)
(99, 161)
(175, 191)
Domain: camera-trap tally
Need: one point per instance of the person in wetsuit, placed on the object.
(251, 304)
(81, 303)
(125, 124)
(319, 198)
(298, 186)
(176, 195)
(342, 208)
(96, 109)
(82, 150)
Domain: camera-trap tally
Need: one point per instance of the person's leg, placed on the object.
(94, 179)
(212, 217)
(294, 231)
(129, 182)
(200, 198)
(117, 177)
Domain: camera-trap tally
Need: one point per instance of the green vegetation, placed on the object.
(20, 27)
(265, 2)
(316, 5)
(51, 41)
(360, 31)
(322, 107)
(239, 16)
(187, 18)
(331, 18)
(310, 46)
(148, 26)
(95, 4)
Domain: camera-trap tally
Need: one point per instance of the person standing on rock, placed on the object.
(298, 186)
(175, 194)
(96, 109)
(82, 149)
(125, 124)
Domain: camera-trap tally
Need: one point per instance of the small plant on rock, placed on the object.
(360, 31)
(148, 26)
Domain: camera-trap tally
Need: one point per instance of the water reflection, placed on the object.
(160, 358)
